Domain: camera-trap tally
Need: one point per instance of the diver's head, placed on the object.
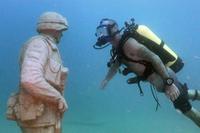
(106, 31)
(52, 23)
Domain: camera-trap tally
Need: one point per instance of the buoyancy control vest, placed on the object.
(145, 36)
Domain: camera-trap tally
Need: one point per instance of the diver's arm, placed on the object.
(111, 73)
(155, 60)
(137, 49)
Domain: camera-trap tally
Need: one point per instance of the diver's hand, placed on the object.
(172, 92)
(62, 105)
(103, 84)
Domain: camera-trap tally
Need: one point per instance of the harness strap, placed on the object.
(140, 88)
(137, 80)
(154, 94)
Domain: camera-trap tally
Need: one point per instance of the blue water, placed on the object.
(118, 109)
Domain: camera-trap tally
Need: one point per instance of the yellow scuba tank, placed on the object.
(146, 32)
(146, 37)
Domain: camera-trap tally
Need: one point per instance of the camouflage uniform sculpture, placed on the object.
(39, 105)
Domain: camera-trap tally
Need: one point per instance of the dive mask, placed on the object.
(103, 35)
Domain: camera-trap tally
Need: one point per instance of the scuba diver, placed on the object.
(139, 51)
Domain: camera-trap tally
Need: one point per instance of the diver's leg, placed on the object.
(194, 115)
(182, 103)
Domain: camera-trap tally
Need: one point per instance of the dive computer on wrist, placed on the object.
(168, 81)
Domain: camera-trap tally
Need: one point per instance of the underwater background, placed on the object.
(119, 108)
